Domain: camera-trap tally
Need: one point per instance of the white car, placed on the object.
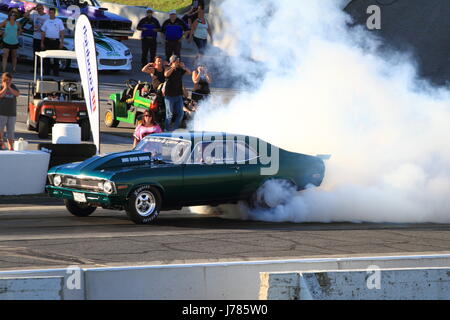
(111, 54)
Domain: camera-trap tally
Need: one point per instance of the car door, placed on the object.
(212, 174)
(250, 167)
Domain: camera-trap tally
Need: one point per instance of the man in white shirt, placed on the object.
(38, 19)
(52, 39)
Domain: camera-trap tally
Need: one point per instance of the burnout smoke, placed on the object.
(324, 88)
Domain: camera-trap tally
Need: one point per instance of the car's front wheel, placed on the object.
(110, 122)
(143, 205)
(79, 209)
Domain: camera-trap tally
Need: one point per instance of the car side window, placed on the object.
(220, 152)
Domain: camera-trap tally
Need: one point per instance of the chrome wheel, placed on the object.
(145, 204)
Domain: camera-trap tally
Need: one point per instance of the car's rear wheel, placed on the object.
(85, 130)
(143, 205)
(79, 209)
(110, 122)
(44, 128)
(272, 193)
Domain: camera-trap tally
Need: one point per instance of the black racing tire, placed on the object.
(144, 205)
(43, 127)
(110, 121)
(79, 209)
(258, 200)
(85, 130)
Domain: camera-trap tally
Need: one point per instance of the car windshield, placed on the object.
(165, 149)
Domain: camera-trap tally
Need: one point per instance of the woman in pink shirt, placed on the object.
(148, 126)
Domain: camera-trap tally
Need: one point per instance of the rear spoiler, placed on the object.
(324, 157)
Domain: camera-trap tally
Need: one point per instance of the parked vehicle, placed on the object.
(111, 54)
(167, 172)
(102, 21)
(129, 105)
(69, 107)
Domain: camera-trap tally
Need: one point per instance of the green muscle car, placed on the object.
(168, 171)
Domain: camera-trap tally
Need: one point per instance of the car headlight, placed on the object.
(49, 112)
(108, 187)
(57, 180)
(127, 52)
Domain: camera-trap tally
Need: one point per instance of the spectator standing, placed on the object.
(38, 19)
(52, 38)
(8, 109)
(173, 30)
(10, 39)
(192, 14)
(156, 71)
(148, 126)
(202, 79)
(150, 27)
(199, 33)
(173, 92)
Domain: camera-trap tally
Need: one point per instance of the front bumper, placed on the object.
(127, 66)
(92, 198)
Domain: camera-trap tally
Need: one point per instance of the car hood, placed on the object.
(96, 14)
(105, 166)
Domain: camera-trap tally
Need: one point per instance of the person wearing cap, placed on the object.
(173, 92)
(38, 18)
(173, 30)
(150, 27)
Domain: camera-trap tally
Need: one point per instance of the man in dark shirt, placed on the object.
(150, 27)
(8, 109)
(173, 92)
(173, 30)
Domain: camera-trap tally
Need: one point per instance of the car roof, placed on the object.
(200, 135)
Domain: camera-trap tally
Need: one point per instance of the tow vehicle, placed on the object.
(129, 105)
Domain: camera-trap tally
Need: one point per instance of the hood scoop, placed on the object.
(127, 160)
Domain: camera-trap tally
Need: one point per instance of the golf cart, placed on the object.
(129, 106)
(53, 101)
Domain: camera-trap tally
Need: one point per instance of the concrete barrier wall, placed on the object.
(32, 288)
(386, 284)
(233, 280)
(23, 172)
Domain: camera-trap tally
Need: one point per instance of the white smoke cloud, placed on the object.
(325, 89)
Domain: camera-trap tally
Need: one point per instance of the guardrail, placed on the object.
(229, 280)
(379, 284)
